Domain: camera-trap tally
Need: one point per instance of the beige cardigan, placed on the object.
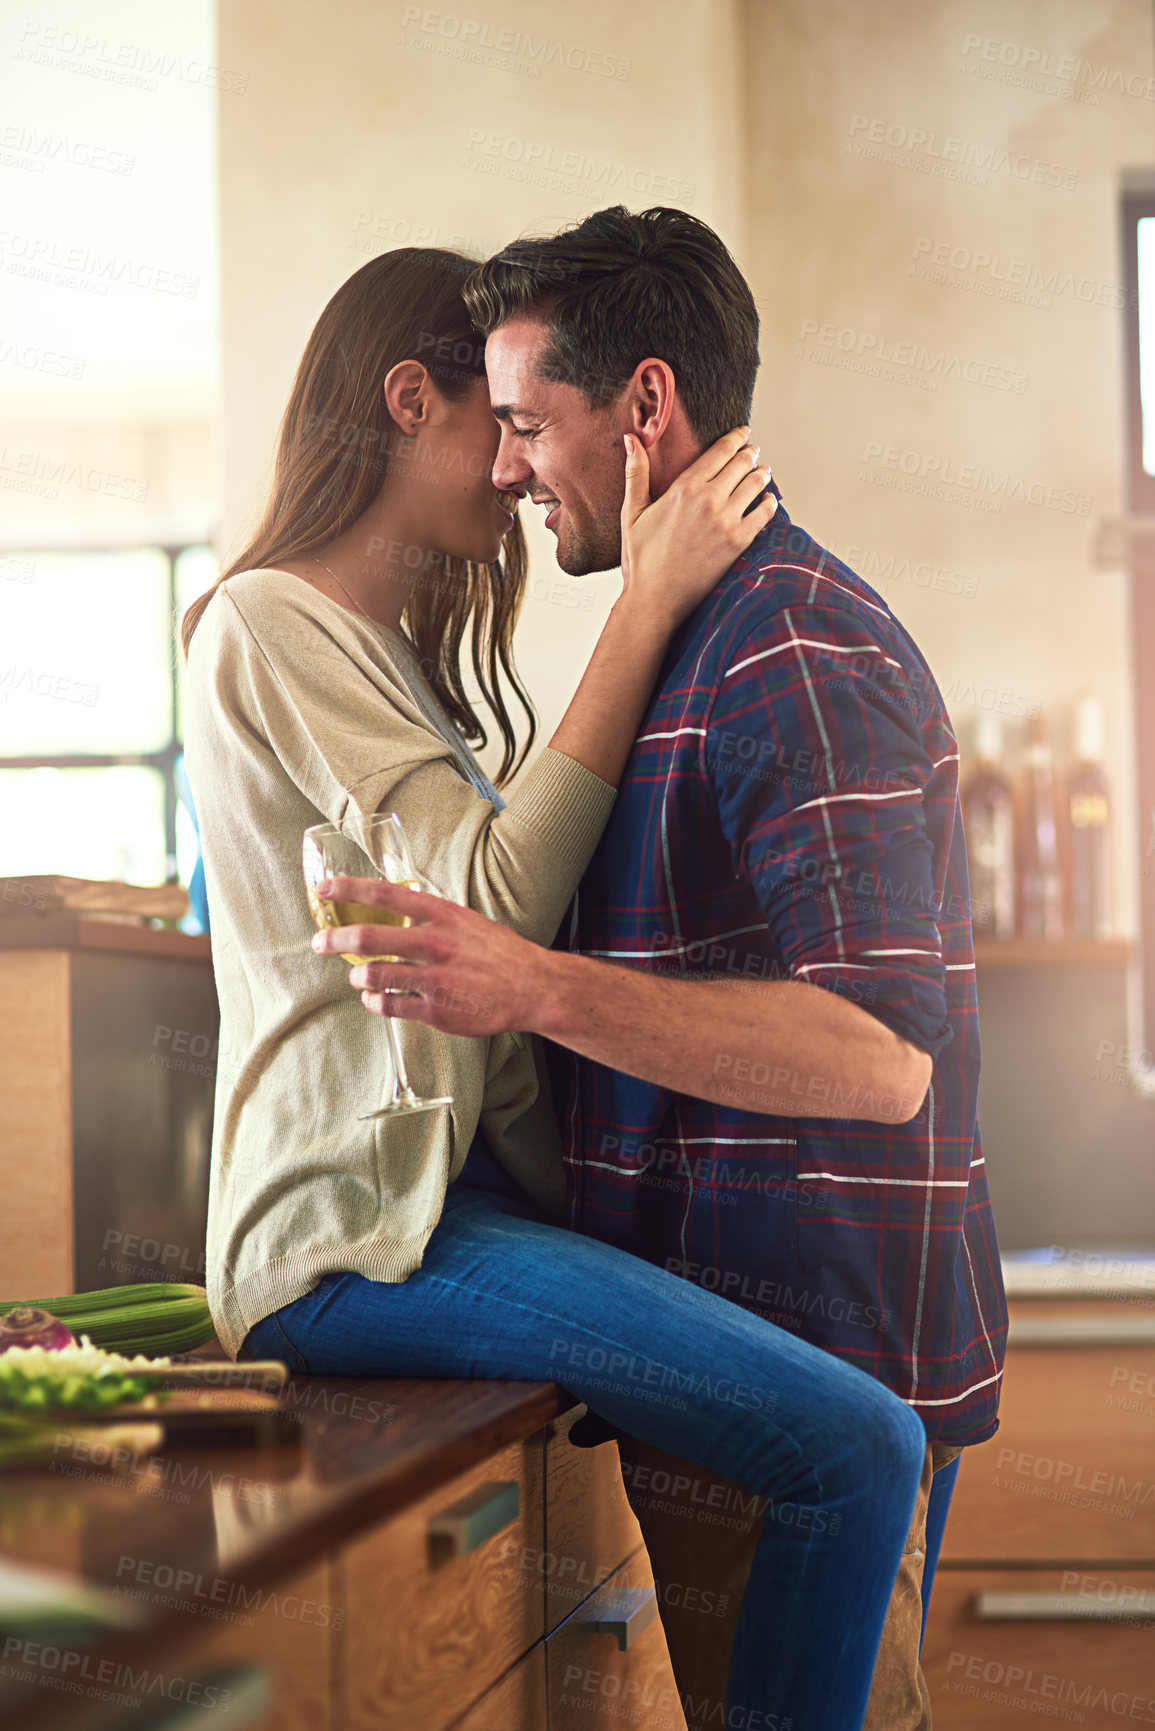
(299, 711)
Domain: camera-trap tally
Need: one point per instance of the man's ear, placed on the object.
(407, 390)
(652, 398)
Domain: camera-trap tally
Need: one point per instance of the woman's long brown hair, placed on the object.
(330, 465)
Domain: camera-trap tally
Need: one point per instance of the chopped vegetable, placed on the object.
(28, 1326)
(161, 1316)
(36, 1380)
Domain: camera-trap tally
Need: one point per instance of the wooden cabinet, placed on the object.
(287, 1633)
(1044, 1601)
(422, 1556)
(590, 1527)
(609, 1658)
(517, 1703)
(450, 1634)
(435, 1614)
(107, 1072)
(1069, 1645)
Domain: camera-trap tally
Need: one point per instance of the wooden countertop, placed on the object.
(367, 1450)
(70, 931)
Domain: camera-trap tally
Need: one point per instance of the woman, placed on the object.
(323, 684)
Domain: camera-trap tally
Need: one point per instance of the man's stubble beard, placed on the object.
(598, 550)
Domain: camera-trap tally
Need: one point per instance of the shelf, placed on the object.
(1066, 953)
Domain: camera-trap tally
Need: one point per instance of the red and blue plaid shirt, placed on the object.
(790, 811)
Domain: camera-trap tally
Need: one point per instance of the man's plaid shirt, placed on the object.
(790, 811)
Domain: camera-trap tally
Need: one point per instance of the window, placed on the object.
(90, 711)
(109, 356)
(1138, 213)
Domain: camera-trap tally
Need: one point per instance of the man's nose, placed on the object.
(512, 471)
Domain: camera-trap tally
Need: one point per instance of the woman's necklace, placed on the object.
(341, 586)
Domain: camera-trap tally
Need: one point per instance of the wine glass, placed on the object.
(328, 853)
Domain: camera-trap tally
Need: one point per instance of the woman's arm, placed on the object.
(301, 674)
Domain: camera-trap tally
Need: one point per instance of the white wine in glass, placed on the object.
(328, 853)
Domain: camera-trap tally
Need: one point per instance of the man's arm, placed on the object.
(778, 1046)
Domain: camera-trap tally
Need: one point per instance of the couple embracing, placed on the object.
(709, 1034)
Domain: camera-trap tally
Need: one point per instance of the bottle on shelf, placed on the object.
(1088, 812)
(989, 823)
(1040, 878)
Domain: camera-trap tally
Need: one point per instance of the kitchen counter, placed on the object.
(193, 1534)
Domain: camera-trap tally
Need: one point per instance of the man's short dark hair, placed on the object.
(619, 287)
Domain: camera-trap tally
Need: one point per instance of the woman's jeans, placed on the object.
(836, 1456)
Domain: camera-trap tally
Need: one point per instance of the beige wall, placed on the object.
(361, 130)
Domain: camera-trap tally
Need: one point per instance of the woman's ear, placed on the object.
(407, 390)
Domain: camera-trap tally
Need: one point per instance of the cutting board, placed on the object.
(207, 1401)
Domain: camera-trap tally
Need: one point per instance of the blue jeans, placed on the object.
(837, 1457)
(938, 1508)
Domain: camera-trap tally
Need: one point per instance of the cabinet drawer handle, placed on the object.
(466, 1525)
(626, 1614)
(1061, 1607)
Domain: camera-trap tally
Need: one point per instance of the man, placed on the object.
(763, 1002)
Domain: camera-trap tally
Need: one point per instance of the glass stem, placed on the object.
(401, 1087)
